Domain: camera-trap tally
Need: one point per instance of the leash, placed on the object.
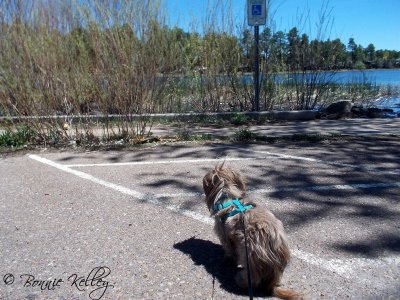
(247, 260)
(240, 209)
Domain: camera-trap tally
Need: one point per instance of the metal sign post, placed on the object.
(256, 16)
(256, 71)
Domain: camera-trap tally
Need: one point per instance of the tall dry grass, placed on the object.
(77, 58)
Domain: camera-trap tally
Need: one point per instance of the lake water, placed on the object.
(375, 77)
(378, 77)
(390, 102)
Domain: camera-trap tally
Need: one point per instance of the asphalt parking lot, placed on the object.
(131, 224)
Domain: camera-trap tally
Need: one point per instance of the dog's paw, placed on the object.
(241, 279)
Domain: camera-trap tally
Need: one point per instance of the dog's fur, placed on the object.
(268, 251)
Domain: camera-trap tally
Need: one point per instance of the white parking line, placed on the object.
(321, 161)
(266, 153)
(346, 267)
(332, 265)
(269, 190)
(356, 186)
(153, 199)
(159, 162)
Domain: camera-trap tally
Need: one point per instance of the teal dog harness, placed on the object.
(240, 208)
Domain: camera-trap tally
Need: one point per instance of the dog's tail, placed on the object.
(286, 294)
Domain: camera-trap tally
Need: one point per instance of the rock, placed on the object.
(339, 109)
(374, 112)
(371, 112)
(358, 111)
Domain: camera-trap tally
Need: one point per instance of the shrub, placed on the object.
(21, 136)
(239, 119)
(244, 135)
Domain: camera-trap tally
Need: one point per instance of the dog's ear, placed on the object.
(208, 183)
(216, 179)
(211, 180)
(232, 175)
(239, 180)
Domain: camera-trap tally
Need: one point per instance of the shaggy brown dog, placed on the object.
(268, 251)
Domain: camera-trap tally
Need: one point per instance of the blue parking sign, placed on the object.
(256, 12)
(256, 9)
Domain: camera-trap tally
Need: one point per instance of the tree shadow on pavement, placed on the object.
(373, 247)
(211, 257)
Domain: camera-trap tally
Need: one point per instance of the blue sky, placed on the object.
(367, 21)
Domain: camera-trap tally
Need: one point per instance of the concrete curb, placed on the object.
(273, 115)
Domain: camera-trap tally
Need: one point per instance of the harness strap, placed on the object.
(239, 208)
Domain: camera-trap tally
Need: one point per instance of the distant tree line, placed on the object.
(282, 51)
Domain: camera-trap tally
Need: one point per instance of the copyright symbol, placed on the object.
(8, 279)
